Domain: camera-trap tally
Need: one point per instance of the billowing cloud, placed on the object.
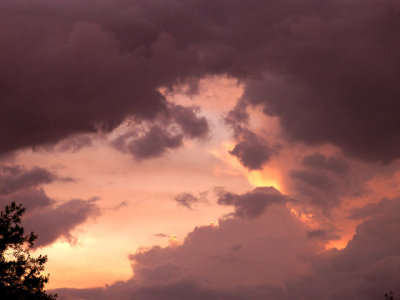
(59, 221)
(254, 203)
(366, 268)
(153, 143)
(50, 219)
(238, 259)
(323, 181)
(14, 178)
(45, 216)
(251, 150)
(30, 198)
(191, 125)
(180, 290)
(237, 251)
(166, 132)
(326, 70)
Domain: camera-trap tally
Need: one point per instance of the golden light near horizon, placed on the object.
(266, 177)
(257, 178)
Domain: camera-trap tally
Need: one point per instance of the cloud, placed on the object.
(366, 268)
(181, 290)
(238, 259)
(252, 151)
(74, 143)
(327, 71)
(31, 198)
(188, 200)
(154, 143)
(323, 181)
(59, 221)
(46, 217)
(252, 204)
(237, 251)
(166, 132)
(14, 178)
(191, 125)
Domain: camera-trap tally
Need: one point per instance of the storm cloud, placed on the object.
(252, 204)
(166, 132)
(328, 70)
(59, 221)
(14, 178)
(48, 218)
(324, 181)
(366, 267)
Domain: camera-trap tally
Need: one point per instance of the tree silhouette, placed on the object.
(20, 274)
(389, 296)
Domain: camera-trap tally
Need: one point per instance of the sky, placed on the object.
(202, 149)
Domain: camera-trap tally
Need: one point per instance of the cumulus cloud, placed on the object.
(181, 290)
(59, 221)
(237, 251)
(238, 259)
(366, 268)
(323, 181)
(14, 178)
(207, 266)
(32, 199)
(188, 200)
(326, 70)
(154, 143)
(252, 204)
(48, 218)
(191, 125)
(166, 132)
(251, 150)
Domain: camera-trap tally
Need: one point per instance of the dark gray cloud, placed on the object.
(154, 143)
(319, 161)
(74, 143)
(323, 234)
(180, 290)
(251, 151)
(14, 178)
(32, 199)
(188, 200)
(45, 216)
(238, 259)
(166, 132)
(50, 219)
(323, 181)
(191, 125)
(366, 268)
(254, 203)
(59, 221)
(374, 209)
(328, 70)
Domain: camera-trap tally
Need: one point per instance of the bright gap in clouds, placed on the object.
(151, 217)
(100, 253)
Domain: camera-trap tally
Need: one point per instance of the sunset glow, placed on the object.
(179, 150)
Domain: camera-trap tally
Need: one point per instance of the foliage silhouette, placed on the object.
(389, 296)
(20, 274)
